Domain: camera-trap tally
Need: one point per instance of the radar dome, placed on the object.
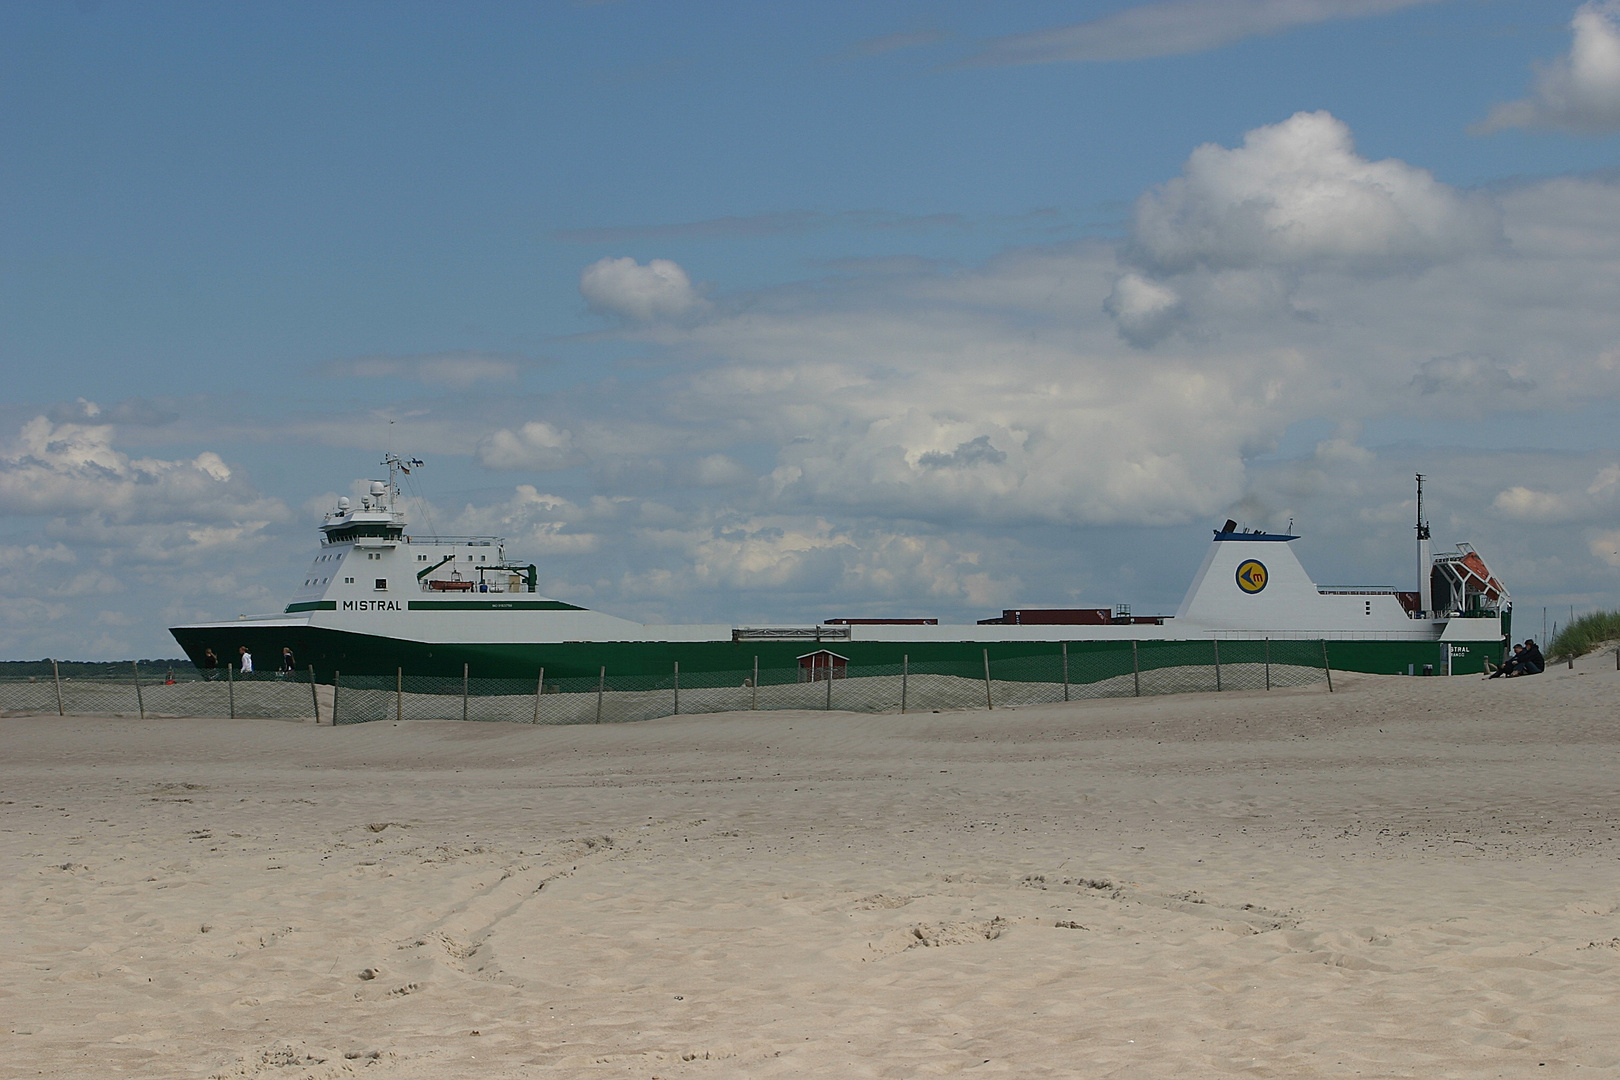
(378, 489)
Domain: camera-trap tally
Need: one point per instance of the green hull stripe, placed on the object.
(313, 605)
(356, 653)
(492, 605)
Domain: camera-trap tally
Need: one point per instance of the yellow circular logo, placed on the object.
(1251, 576)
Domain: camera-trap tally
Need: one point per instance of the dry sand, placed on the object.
(1406, 878)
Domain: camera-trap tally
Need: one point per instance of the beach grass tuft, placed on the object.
(1585, 634)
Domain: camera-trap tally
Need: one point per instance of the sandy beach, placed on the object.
(1408, 877)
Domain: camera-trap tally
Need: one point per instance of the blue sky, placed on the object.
(790, 311)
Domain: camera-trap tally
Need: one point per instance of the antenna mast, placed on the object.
(1425, 562)
(397, 465)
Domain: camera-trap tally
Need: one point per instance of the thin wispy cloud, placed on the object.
(1172, 28)
(889, 43)
(454, 369)
(773, 223)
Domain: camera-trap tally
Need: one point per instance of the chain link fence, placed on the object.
(1069, 673)
(144, 690)
(1091, 670)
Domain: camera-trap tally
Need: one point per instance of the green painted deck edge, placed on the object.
(491, 605)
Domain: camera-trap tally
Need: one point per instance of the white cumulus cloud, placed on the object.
(628, 289)
(1580, 91)
(1297, 193)
(1144, 309)
(75, 468)
(536, 445)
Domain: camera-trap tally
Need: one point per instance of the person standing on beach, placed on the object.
(210, 664)
(246, 666)
(287, 664)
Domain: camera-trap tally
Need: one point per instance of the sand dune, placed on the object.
(1408, 877)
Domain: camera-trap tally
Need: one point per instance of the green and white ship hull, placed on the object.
(378, 599)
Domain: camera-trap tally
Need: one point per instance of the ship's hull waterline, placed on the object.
(331, 651)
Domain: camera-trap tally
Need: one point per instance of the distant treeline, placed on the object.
(1585, 634)
(88, 669)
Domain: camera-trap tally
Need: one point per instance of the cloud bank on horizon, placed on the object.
(1282, 327)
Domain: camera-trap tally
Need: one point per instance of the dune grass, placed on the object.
(1585, 634)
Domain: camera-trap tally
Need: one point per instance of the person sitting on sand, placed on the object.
(1531, 662)
(1510, 666)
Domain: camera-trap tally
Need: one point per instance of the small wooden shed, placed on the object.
(822, 665)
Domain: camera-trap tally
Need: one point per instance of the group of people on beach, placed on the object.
(1526, 660)
(244, 665)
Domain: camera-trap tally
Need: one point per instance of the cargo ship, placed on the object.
(378, 598)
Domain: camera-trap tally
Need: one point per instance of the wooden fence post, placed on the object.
(828, 706)
(230, 686)
(1065, 671)
(337, 678)
(1136, 669)
(1217, 645)
(756, 678)
(1268, 663)
(677, 688)
(314, 697)
(399, 694)
(988, 702)
(465, 669)
(539, 688)
(601, 686)
(905, 677)
(1325, 666)
(139, 703)
(56, 674)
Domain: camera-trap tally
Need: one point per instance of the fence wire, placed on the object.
(1076, 672)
